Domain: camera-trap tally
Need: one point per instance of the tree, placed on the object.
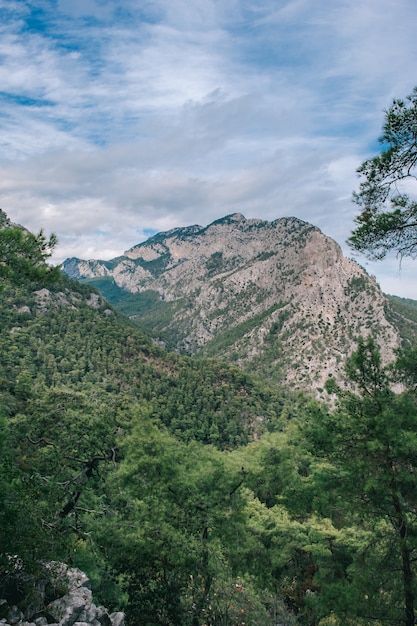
(175, 532)
(23, 256)
(371, 441)
(388, 218)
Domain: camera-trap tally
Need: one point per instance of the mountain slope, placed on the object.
(403, 314)
(189, 491)
(278, 296)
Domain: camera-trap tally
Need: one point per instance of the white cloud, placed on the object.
(119, 117)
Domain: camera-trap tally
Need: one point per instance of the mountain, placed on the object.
(278, 297)
(189, 491)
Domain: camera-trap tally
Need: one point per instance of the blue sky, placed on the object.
(120, 118)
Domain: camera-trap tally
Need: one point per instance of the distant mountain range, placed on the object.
(276, 297)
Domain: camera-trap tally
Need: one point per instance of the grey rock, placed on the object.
(74, 608)
(90, 613)
(103, 617)
(36, 600)
(78, 579)
(14, 615)
(94, 301)
(68, 609)
(117, 619)
(70, 577)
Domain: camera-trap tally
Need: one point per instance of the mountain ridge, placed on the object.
(279, 297)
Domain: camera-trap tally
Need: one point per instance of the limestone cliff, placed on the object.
(276, 296)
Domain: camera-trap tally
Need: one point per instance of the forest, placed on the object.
(190, 492)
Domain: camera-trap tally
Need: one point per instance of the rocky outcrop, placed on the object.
(278, 297)
(73, 605)
(47, 300)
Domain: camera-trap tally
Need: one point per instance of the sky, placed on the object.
(123, 118)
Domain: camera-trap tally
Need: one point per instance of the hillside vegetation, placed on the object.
(190, 492)
(403, 313)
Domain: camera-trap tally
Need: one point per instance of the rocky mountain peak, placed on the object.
(276, 296)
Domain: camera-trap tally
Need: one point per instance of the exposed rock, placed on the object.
(14, 615)
(70, 577)
(47, 300)
(94, 301)
(278, 297)
(88, 268)
(74, 608)
(117, 619)
(24, 309)
(103, 617)
(43, 298)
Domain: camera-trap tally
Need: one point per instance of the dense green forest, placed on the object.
(190, 492)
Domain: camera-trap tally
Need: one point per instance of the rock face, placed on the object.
(278, 296)
(74, 608)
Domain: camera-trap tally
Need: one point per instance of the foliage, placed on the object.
(182, 500)
(74, 379)
(388, 218)
(402, 313)
(23, 256)
(373, 445)
(189, 491)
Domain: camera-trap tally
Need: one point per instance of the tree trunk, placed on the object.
(407, 584)
(407, 573)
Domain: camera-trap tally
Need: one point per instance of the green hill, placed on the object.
(191, 492)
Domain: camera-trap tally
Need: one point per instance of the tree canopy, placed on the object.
(23, 255)
(387, 193)
(189, 491)
(373, 446)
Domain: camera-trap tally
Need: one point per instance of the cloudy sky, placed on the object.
(122, 118)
